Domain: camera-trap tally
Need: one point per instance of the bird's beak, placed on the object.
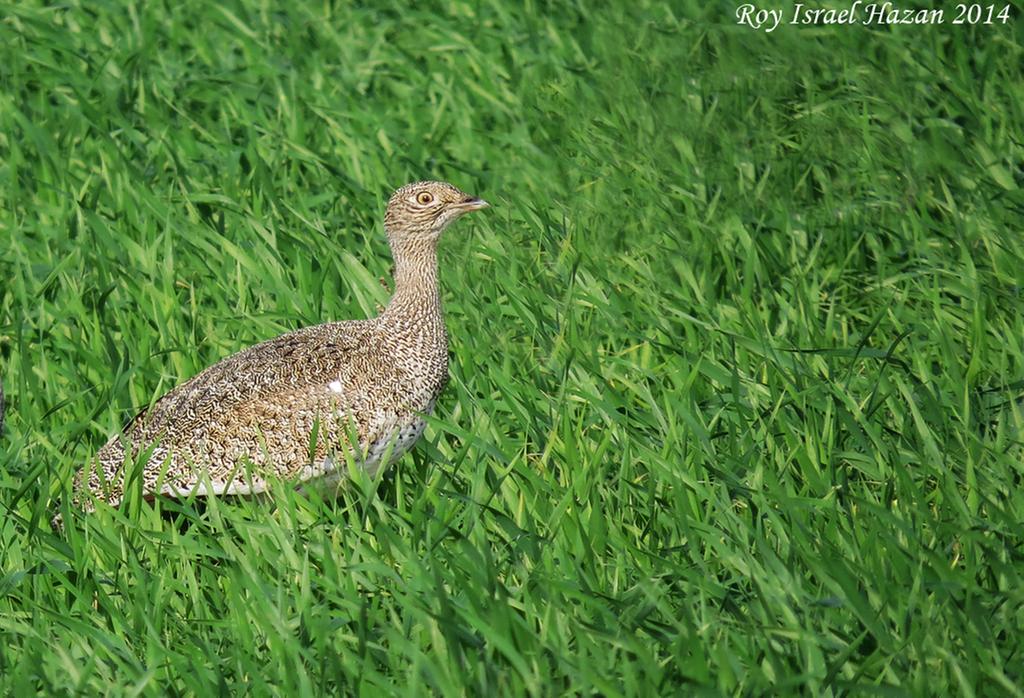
(471, 203)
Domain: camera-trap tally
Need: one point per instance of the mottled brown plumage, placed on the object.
(299, 406)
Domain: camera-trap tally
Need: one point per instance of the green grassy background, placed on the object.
(737, 388)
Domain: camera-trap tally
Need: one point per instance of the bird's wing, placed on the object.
(261, 405)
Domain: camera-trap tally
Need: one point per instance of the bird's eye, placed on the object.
(425, 197)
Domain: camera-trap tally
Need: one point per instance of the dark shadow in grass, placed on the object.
(183, 513)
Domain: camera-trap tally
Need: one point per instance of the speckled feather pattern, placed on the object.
(299, 406)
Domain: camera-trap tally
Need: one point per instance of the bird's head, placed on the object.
(421, 211)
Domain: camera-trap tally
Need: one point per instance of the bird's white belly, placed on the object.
(383, 452)
(388, 450)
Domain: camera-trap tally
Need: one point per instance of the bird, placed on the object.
(300, 407)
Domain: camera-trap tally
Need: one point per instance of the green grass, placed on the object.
(737, 360)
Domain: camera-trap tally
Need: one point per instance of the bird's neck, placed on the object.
(417, 296)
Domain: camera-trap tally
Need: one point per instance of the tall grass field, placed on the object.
(737, 353)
